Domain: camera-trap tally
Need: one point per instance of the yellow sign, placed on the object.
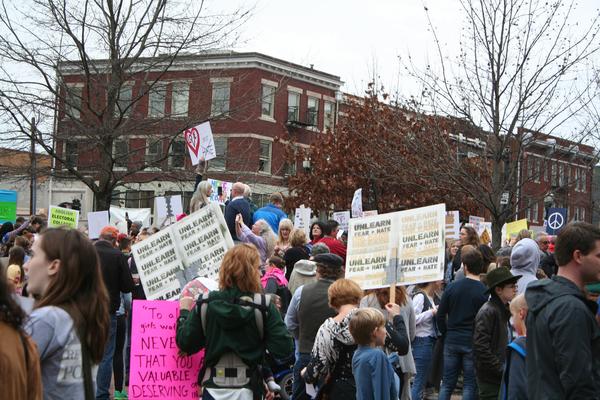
(63, 217)
(513, 228)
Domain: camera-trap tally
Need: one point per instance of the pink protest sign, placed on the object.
(157, 371)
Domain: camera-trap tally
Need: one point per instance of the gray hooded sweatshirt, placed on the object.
(524, 261)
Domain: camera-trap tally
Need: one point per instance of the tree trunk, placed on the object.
(497, 239)
(103, 199)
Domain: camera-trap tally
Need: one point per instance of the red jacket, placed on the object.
(335, 246)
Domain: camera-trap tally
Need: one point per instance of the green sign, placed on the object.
(63, 217)
(8, 206)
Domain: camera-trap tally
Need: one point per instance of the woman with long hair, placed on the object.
(378, 298)
(261, 235)
(70, 322)
(229, 330)
(201, 197)
(283, 237)
(297, 251)
(19, 360)
(468, 236)
(16, 259)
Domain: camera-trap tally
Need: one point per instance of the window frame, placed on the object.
(267, 159)
(172, 154)
(220, 158)
(70, 111)
(117, 164)
(118, 112)
(70, 154)
(158, 89)
(180, 94)
(148, 156)
(224, 103)
(328, 122)
(312, 115)
(264, 100)
(296, 107)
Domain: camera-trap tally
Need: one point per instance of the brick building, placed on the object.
(251, 99)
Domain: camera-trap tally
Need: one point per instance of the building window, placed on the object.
(219, 162)
(177, 154)
(220, 99)
(293, 106)
(73, 101)
(123, 106)
(120, 152)
(538, 170)
(313, 111)
(156, 100)
(71, 153)
(139, 199)
(328, 116)
(179, 99)
(554, 175)
(153, 151)
(534, 212)
(530, 167)
(584, 180)
(561, 175)
(264, 160)
(268, 101)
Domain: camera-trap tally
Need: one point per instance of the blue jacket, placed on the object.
(374, 375)
(270, 213)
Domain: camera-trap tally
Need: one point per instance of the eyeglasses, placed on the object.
(546, 242)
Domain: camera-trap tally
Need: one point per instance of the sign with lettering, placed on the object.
(302, 219)
(200, 143)
(477, 223)
(452, 225)
(157, 370)
(342, 218)
(63, 217)
(221, 191)
(8, 206)
(406, 247)
(190, 248)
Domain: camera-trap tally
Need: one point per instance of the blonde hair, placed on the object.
(342, 292)
(201, 196)
(298, 238)
(363, 323)
(518, 303)
(268, 235)
(240, 269)
(284, 224)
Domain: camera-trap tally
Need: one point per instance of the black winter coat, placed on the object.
(115, 272)
(563, 342)
(490, 338)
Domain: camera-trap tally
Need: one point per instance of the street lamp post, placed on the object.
(548, 203)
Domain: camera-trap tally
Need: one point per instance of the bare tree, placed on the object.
(520, 66)
(72, 64)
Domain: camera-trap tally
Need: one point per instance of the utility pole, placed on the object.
(33, 183)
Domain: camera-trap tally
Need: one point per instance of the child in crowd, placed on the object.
(374, 374)
(274, 282)
(491, 332)
(514, 380)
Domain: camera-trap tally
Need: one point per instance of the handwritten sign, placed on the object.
(342, 218)
(302, 219)
(477, 223)
(8, 206)
(513, 228)
(200, 143)
(157, 371)
(406, 247)
(63, 217)
(452, 225)
(190, 248)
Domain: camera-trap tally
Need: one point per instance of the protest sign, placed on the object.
(200, 143)
(181, 252)
(477, 223)
(8, 206)
(513, 228)
(406, 247)
(370, 213)
(357, 204)
(342, 218)
(486, 236)
(302, 219)
(221, 191)
(166, 209)
(452, 225)
(157, 370)
(96, 221)
(65, 217)
(119, 214)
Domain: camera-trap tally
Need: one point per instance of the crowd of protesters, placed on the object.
(519, 324)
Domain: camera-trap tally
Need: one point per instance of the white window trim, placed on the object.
(158, 86)
(221, 80)
(115, 166)
(314, 94)
(269, 83)
(270, 158)
(126, 84)
(212, 112)
(187, 113)
(65, 158)
(148, 168)
(295, 89)
(267, 117)
(74, 85)
(224, 168)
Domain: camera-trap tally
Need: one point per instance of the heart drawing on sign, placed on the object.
(192, 139)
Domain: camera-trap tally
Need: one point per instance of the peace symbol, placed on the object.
(555, 221)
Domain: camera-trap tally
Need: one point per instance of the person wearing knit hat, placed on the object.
(490, 334)
(524, 261)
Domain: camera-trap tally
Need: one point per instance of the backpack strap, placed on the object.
(203, 304)
(516, 347)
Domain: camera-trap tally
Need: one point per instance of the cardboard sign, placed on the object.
(117, 217)
(406, 247)
(63, 217)
(221, 191)
(96, 221)
(357, 204)
(200, 143)
(157, 370)
(190, 248)
(302, 219)
(370, 213)
(8, 206)
(477, 223)
(513, 228)
(453, 225)
(342, 218)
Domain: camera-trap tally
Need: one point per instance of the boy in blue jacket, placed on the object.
(374, 374)
(514, 380)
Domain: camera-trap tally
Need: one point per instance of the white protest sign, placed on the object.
(452, 225)
(357, 209)
(302, 219)
(478, 224)
(370, 213)
(406, 247)
(118, 216)
(96, 221)
(200, 143)
(166, 209)
(190, 248)
(342, 218)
